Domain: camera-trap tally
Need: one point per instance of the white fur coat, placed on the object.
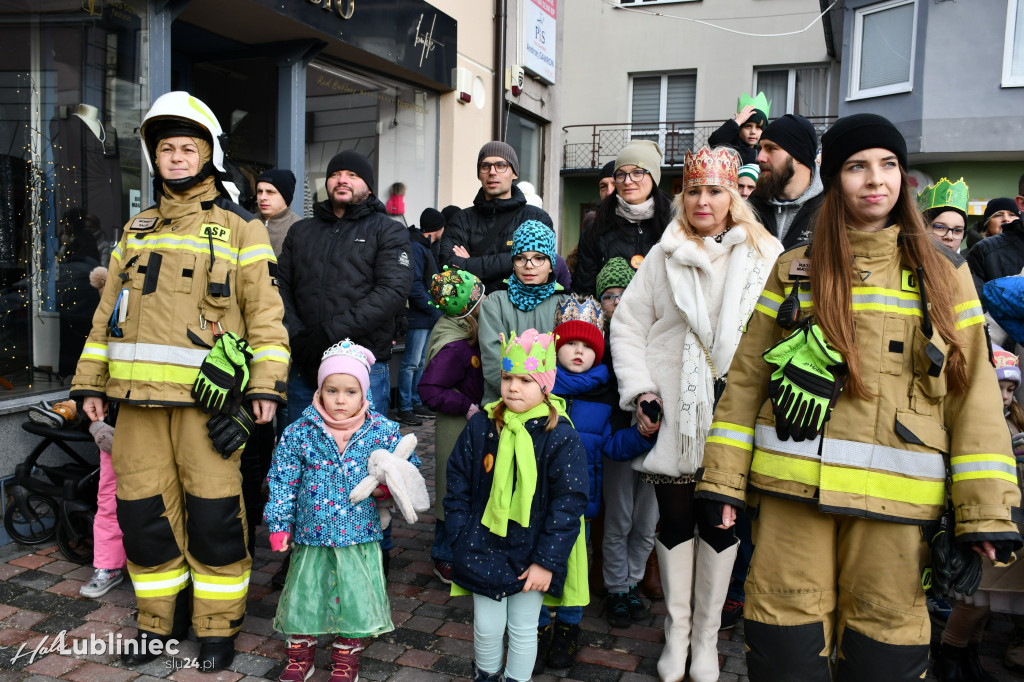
(665, 309)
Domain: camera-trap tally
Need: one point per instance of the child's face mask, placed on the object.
(341, 395)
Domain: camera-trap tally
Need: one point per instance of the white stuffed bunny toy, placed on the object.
(403, 479)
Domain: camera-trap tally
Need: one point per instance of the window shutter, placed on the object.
(646, 106)
(775, 86)
(681, 104)
(885, 47)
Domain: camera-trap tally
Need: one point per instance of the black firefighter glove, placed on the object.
(956, 567)
(230, 429)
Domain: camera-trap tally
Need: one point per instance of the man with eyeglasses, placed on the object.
(479, 238)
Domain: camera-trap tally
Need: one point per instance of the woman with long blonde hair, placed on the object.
(848, 406)
(694, 291)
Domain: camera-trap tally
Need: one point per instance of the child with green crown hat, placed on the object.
(944, 209)
(452, 384)
(517, 486)
(743, 131)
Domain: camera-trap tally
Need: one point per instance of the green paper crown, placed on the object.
(761, 103)
(528, 353)
(944, 194)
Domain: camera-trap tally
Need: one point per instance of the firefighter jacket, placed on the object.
(182, 271)
(886, 457)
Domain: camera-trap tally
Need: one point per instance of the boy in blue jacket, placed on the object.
(586, 385)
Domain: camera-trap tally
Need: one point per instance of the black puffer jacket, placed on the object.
(729, 136)
(344, 277)
(998, 256)
(612, 235)
(803, 224)
(470, 226)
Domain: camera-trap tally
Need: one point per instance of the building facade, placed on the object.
(415, 86)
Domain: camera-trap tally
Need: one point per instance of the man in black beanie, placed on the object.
(479, 238)
(344, 273)
(275, 189)
(788, 191)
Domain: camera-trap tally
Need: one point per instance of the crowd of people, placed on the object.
(772, 397)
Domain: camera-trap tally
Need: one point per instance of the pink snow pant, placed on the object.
(108, 550)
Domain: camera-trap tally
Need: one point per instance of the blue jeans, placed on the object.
(411, 369)
(441, 550)
(380, 387)
(300, 396)
(739, 569)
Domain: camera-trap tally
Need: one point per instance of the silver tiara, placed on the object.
(348, 349)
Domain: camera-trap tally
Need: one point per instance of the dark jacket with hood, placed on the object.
(471, 226)
(490, 565)
(798, 217)
(729, 136)
(612, 235)
(999, 256)
(344, 277)
(421, 314)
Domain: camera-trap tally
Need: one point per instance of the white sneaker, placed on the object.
(102, 581)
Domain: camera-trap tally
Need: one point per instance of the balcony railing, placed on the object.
(590, 146)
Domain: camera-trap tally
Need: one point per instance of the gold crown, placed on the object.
(706, 167)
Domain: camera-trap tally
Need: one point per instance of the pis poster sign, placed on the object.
(539, 33)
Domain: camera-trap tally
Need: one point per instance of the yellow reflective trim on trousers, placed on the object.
(219, 586)
(160, 584)
(786, 468)
(272, 353)
(883, 486)
(145, 371)
(95, 351)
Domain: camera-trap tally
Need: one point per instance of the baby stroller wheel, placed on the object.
(35, 523)
(74, 537)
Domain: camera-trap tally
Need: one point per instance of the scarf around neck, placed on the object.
(515, 468)
(526, 297)
(635, 213)
(341, 430)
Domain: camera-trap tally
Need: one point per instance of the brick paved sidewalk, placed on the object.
(432, 640)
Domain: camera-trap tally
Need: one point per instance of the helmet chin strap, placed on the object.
(182, 184)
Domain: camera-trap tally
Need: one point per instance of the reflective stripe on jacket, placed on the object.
(189, 269)
(886, 457)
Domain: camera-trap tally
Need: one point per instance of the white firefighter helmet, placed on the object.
(179, 113)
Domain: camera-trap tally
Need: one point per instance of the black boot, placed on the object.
(972, 666)
(216, 653)
(951, 666)
(543, 646)
(565, 644)
(142, 653)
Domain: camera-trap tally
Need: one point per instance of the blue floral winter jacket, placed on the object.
(589, 405)
(488, 564)
(310, 482)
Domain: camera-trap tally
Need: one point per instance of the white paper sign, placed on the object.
(539, 35)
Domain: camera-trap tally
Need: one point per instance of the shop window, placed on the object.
(803, 90)
(1013, 48)
(884, 36)
(527, 138)
(662, 109)
(72, 97)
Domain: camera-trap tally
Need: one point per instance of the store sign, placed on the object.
(411, 34)
(539, 20)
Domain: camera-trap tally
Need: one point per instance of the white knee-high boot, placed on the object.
(711, 583)
(677, 583)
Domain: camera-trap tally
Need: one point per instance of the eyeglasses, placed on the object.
(500, 166)
(532, 261)
(941, 230)
(636, 175)
(608, 299)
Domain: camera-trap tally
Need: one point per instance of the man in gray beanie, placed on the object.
(479, 238)
(789, 189)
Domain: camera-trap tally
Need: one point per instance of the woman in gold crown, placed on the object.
(695, 291)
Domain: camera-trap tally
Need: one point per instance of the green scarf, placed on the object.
(515, 461)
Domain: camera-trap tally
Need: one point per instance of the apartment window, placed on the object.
(803, 90)
(662, 109)
(1013, 49)
(883, 49)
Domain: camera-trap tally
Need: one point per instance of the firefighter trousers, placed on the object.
(821, 581)
(179, 506)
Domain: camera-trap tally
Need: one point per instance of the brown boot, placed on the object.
(596, 573)
(652, 578)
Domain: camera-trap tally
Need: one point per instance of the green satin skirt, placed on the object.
(335, 590)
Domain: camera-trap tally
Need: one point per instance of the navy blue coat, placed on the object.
(421, 314)
(589, 405)
(490, 565)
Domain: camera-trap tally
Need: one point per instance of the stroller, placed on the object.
(55, 500)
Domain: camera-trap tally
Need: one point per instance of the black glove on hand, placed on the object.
(231, 429)
(956, 567)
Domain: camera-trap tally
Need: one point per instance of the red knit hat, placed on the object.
(578, 330)
(580, 318)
